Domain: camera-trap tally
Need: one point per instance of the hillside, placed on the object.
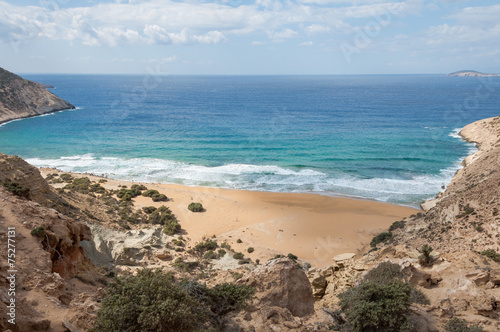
(20, 98)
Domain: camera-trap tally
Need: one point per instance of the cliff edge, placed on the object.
(20, 98)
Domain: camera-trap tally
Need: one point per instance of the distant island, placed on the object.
(463, 73)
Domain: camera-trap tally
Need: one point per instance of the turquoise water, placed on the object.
(391, 138)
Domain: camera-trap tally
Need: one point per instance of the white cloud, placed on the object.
(308, 43)
(282, 35)
(185, 22)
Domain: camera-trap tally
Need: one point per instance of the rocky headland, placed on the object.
(470, 73)
(20, 98)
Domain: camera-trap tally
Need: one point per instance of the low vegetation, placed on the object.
(17, 189)
(381, 302)
(425, 259)
(154, 301)
(38, 231)
(460, 325)
(195, 207)
(380, 238)
(492, 254)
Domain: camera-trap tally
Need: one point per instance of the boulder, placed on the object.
(281, 283)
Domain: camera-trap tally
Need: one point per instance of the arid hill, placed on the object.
(20, 98)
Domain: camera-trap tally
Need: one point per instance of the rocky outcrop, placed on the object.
(283, 297)
(15, 169)
(20, 98)
(328, 282)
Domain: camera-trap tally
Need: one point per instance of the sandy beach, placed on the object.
(314, 227)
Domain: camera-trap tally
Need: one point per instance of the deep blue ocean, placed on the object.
(385, 137)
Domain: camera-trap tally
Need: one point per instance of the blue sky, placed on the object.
(232, 37)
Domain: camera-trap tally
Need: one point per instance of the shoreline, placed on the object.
(4, 122)
(484, 141)
(313, 227)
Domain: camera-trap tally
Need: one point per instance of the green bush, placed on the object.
(161, 216)
(378, 307)
(227, 297)
(201, 247)
(37, 231)
(380, 238)
(491, 253)
(149, 209)
(239, 241)
(250, 250)
(225, 245)
(397, 224)
(195, 207)
(149, 301)
(238, 255)
(292, 257)
(138, 187)
(383, 272)
(460, 325)
(159, 198)
(80, 185)
(17, 189)
(221, 252)
(150, 193)
(381, 301)
(130, 192)
(172, 228)
(425, 259)
(66, 177)
(210, 255)
(97, 188)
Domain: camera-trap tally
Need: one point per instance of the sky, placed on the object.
(253, 37)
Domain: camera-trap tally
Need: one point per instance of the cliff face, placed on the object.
(20, 98)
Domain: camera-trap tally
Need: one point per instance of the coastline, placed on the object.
(4, 122)
(477, 133)
(313, 227)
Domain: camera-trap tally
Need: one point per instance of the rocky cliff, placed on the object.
(461, 225)
(20, 98)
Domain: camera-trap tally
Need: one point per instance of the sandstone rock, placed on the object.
(280, 283)
(318, 284)
(163, 255)
(480, 278)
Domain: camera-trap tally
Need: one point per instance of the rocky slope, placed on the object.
(20, 98)
(49, 265)
(458, 224)
(466, 216)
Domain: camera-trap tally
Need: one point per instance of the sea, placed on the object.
(390, 138)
